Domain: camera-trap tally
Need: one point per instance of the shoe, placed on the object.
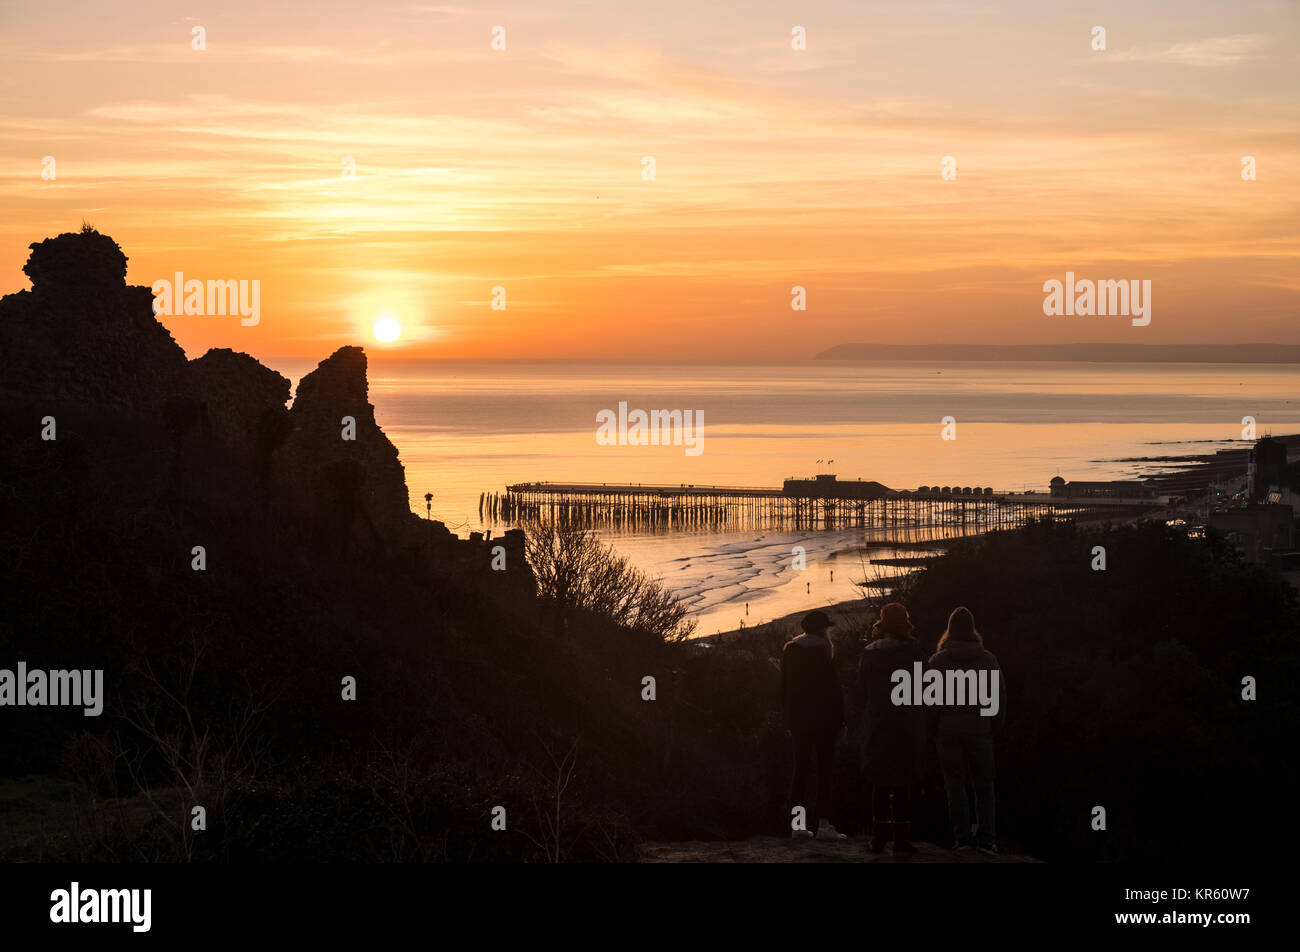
(903, 837)
(989, 849)
(879, 835)
(963, 848)
(828, 832)
(801, 834)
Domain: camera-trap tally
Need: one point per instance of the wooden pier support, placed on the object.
(718, 508)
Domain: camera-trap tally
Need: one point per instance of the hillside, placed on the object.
(229, 561)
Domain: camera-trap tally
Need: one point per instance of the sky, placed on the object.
(524, 169)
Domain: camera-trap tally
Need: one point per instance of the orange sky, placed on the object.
(522, 169)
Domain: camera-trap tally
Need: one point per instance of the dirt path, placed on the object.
(770, 849)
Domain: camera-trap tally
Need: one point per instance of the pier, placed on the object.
(822, 502)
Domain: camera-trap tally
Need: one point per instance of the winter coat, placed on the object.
(810, 689)
(893, 736)
(967, 656)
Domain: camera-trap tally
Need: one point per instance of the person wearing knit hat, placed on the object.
(893, 736)
(893, 620)
(814, 712)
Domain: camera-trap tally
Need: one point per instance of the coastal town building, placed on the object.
(1264, 466)
(1264, 522)
(1115, 488)
(1260, 531)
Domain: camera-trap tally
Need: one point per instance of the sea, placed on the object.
(463, 428)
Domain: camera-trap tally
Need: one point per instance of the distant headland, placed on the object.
(1088, 353)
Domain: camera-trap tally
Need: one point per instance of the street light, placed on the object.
(428, 505)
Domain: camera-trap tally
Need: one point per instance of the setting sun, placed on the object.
(387, 330)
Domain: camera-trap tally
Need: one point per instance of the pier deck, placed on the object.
(822, 502)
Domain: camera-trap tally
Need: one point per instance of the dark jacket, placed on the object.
(968, 656)
(810, 689)
(893, 736)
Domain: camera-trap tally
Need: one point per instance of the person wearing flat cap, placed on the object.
(814, 712)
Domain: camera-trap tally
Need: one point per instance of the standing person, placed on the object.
(893, 736)
(964, 736)
(814, 712)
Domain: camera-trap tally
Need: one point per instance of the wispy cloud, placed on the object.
(180, 52)
(1212, 51)
(470, 167)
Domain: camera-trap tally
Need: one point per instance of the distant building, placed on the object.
(1285, 497)
(1259, 531)
(826, 486)
(1264, 467)
(1114, 488)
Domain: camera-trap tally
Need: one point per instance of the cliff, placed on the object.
(335, 466)
(82, 336)
(213, 434)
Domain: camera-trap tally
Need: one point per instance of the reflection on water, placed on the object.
(730, 578)
(464, 428)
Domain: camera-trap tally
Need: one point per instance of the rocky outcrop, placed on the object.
(76, 260)
(227, 420)
(336, 468)
(243, 403)
(82, 336)
(214, 434)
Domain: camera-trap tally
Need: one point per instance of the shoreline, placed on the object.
(1190, 472)
(842, 614)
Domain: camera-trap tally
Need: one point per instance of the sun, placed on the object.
(387, 330)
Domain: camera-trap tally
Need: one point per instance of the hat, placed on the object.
(893, 621)
(815, 620)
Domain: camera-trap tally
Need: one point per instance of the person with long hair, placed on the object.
(964, 736)
(893, 736)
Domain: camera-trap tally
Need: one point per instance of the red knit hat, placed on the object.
(893, 620)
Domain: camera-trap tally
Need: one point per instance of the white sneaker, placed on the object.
(801, 834)
(828, 832)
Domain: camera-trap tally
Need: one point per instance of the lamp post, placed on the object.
(428, 505)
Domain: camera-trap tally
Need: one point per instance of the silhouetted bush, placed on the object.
(1126, 687)
(575, 570)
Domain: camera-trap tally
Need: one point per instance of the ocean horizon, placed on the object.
(463, 428)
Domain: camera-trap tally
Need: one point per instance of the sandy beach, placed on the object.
(848, 614)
